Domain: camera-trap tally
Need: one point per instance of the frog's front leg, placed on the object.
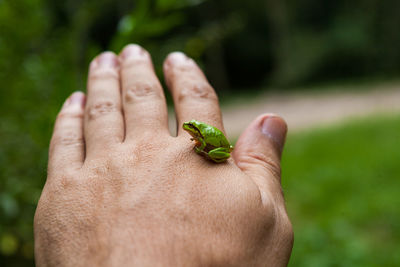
(219, 154)
(201, 144)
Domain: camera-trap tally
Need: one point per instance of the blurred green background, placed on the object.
(341, 182)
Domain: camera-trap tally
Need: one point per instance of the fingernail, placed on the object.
(77, 98)
(133, 51)
(107, 59)
(275, 129)
(178, 58)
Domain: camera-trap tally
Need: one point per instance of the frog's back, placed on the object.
(214, 136)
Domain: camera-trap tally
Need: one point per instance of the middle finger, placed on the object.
(143, 99)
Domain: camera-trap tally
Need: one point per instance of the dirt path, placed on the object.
(303, 110)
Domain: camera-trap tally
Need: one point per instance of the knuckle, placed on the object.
(68, 138)
(68, 181)
(103, 74)
(70, 115)
(97, 166)
(62, 182)
(145, 152)
(141, 90)
(197, 91)
(101, 108)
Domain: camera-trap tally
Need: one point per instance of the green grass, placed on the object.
(342, 188)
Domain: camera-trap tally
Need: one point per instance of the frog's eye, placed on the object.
(189, 126)
(193, 127)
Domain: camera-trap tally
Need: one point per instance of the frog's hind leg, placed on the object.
(218, 160)
(219, 154)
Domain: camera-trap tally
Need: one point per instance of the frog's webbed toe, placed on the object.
(219, 160)
(201, 152)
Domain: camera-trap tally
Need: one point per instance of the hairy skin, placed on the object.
(121, 191)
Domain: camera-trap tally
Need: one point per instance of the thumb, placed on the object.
(259, 148)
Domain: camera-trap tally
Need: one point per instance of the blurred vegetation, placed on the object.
(46, 46)
(342, 191)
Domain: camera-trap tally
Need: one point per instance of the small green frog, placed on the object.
(210, 141)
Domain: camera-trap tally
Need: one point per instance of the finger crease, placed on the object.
(101, 108)
(198, 92)
(141, 90)
(104, 74)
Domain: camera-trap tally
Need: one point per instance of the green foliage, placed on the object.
(341, 186)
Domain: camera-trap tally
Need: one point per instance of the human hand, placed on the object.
(121, 191)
